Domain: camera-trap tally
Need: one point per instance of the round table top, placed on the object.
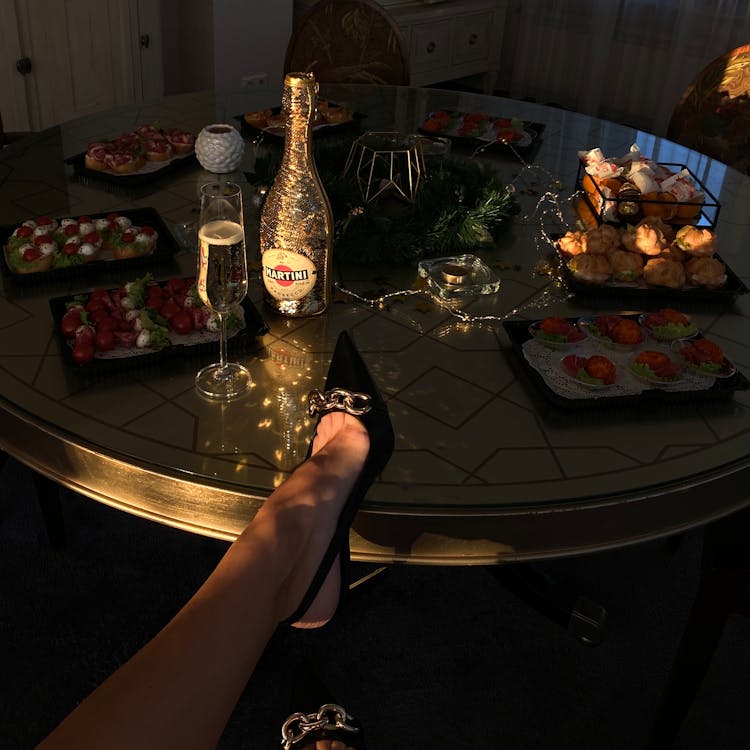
(485, 468)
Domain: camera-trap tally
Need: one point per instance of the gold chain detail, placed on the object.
(329, 716)
(338, 399)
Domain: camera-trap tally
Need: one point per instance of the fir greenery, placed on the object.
(461, 205)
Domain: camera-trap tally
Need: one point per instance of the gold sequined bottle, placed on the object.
(296, 223)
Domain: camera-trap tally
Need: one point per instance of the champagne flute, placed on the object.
(222, 280)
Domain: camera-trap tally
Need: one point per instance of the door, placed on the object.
(12, 87)
(85, 56)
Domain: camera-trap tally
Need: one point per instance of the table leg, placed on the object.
(583, 618)
(724, 588)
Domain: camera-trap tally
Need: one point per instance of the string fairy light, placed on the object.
(547, 209)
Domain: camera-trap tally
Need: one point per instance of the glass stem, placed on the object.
(223, 340)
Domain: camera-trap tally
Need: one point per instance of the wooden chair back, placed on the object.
(349, 41)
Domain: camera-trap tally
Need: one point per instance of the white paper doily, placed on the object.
(546, 362)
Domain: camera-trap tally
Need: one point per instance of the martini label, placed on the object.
(288, 275)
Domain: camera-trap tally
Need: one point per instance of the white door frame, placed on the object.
(152, 67)
(15, 109)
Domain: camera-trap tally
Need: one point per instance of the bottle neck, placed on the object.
(298, 135)
(299, 104)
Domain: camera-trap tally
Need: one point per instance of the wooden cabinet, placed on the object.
(447, 39)
(450, 40)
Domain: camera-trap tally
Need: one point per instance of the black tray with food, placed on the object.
(145, 175)
(574, 368)
(114, 253)
(477, 129)
(669, 272)
(331, 118)
(645, 293)
(116, 341)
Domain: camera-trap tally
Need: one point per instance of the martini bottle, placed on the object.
(296, 223)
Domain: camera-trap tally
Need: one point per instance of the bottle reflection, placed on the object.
(291, 375)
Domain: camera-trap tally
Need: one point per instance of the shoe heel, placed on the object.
(348, 374)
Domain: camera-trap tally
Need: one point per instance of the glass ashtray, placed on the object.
(458, 276)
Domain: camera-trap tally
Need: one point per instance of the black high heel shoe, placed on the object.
(349, 388)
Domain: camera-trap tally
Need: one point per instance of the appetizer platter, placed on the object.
(615, 359)
(45, 247)
(647, 259)
(481, 128)
(136, 157)
(330, 117)
(142, 321)
(625, 189)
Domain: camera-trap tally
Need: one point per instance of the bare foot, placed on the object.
(340, 447)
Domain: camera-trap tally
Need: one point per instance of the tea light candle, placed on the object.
(455, 274)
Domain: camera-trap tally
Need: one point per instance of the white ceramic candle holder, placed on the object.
(219, 148)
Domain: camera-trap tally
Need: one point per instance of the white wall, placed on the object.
(187, 46)
(250, 36)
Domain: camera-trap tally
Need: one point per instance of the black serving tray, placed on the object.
(642, 293)
(147, 175)
(166, 247)
(242, 340)
(322, 130)
(533, 132)
(722, 388)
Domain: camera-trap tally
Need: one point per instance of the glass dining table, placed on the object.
(487, 468)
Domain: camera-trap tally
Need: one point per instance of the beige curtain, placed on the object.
(623, 60)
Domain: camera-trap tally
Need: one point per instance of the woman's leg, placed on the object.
(179, 690)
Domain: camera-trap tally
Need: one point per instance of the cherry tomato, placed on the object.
(200, 316)
(95, 304)
(107, 323)
(155, 298)
(97, 316)
(104, 340)
(70, 323)
(176, 285)
(169, 309)
(126, 338)
(31, 254)
(182, 322)
(83, 351)
(85, 332)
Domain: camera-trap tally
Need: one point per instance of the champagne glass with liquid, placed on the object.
(222, 280)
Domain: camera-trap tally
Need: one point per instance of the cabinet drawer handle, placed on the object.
(431, 47)
(473, 38)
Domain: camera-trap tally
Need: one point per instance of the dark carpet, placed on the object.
(425, 657)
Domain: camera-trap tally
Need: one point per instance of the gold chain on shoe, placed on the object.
(329, 717)
(338, 399)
